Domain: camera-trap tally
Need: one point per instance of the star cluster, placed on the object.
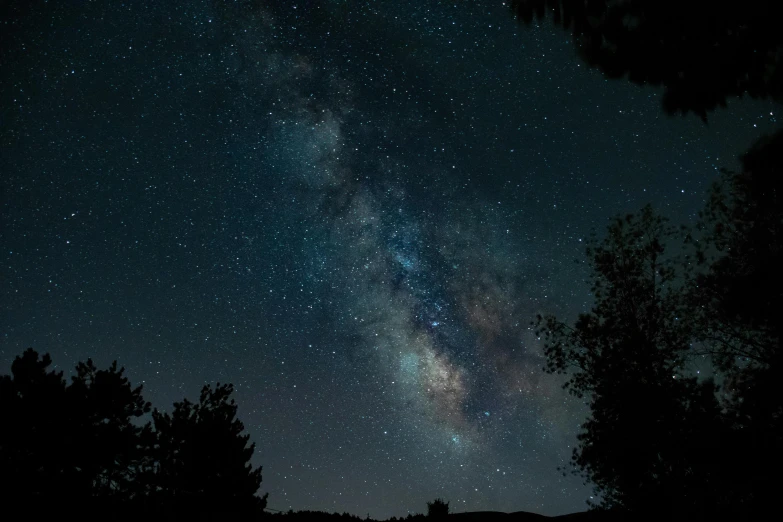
(350, 210)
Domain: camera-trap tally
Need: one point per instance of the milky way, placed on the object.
(350, 210)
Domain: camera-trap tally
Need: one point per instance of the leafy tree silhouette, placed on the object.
(701, 52)
(649, 440)
(204, 457)
(438, 508)
(741, 291)
(740, 300)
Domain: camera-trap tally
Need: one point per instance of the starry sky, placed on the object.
(351, 210)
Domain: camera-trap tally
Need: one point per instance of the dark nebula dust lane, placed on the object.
(350, 210)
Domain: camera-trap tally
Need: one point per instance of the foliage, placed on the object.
(725, 302)
(103, 406)
(644, 439)
(739, 297)
(35, 453)
(72, 441)
(438, 508)
(85, 442)
(701, 52)
(741, 291)
(204, 457)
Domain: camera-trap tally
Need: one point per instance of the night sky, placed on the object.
(350, 210)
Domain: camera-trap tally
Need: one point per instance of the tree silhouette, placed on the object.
(701, 52)
(729, 300)
(438, 508)
(84, 444)
(740, 300)
(103, 406)
(741, 291)
(204, 459)
(34, 441)
(649, 440)
(76, 442)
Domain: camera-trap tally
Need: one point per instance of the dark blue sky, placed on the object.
(350, 210)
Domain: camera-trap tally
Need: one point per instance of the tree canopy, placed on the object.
(739, 299)
(438, 508)
(659, 437)
(204, 457)
(655, 432)
(741, 290)
(627, 357)
(88, 442)
(701, 52)
(34, 454)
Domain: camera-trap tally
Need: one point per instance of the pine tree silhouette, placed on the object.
(36, 462)
(204, 457)
(84, 444)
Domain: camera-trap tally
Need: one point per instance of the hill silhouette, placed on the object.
(467, 516)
